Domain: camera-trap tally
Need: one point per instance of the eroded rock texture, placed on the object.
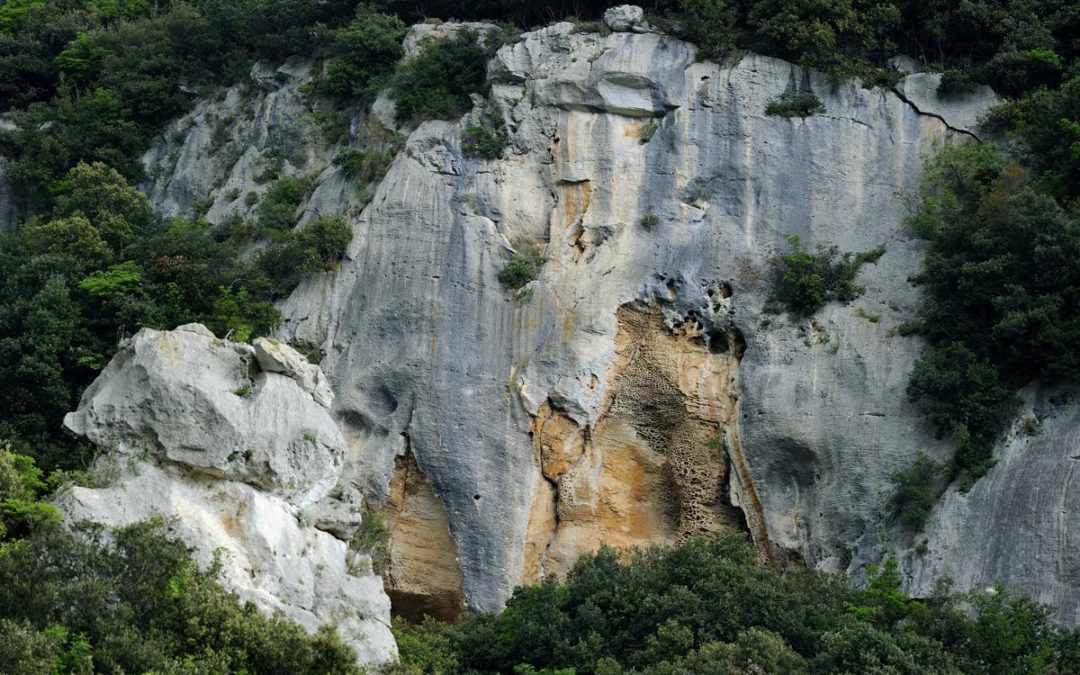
(245, 462)
(636, 392)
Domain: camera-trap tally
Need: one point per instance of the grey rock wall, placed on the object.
(429, 354)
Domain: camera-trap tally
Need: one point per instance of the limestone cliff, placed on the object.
(637, 391)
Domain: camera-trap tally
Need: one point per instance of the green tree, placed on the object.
(119, 212)
(22, 488)
(364, 52)
(807, 281)
(436, 82)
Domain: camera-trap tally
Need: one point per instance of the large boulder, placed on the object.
(243, 462)
(624, 18)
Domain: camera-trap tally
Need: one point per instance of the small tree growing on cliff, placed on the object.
(522, 268)
(807, 281)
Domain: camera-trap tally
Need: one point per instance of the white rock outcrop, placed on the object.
(625, 18)
(242, 460)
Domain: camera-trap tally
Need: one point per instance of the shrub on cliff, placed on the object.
(436, 82)
(805, 281)
(794, 104)
(522, 268)
(479, 141)
(917, 490)
(1001, 284)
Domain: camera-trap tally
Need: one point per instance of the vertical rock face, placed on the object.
(246, 463)
(1016, 524)
(637, 392)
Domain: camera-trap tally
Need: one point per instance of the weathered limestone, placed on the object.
(428, 350)
(276, 357)
(244, 461)
(625, 18)
(534, 426)
(1015, 525)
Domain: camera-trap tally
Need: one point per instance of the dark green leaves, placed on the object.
(807, 281)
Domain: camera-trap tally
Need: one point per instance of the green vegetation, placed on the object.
(22, 490)
(133, 601)
(373, 538)
(956, 83)
(650, 220)
(710, 607)
(909, 327)
(436, 83)
(482, 142)
(795, 104)
(101, 265)
(806, 282)
(363, 56)
(872, 317)
(522, 268)
(1002, 295)
(917, 490)
(277, 210)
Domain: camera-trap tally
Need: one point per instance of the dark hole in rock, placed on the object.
(738, 343)
(718, 341)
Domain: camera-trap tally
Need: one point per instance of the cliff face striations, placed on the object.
(637, 391)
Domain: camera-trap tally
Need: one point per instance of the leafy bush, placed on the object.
(650, 220)
(710, 24)
(22, 492)
(364, 53)
(710, 607)
(917, 490)
(955, 83)
(795, 104)
(132, 600)
(1001, 307)
(277, 211)
(522, 268)
(481, 142)
(805, 281)
(367, 165)
(437, 82)
(317, 247)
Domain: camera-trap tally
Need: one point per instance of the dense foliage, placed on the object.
(436, 82)
(806, 281)
(795, 105)
(709, 607)
(127, 601)
(101, 265)
(1002, 295)
(917, 490)
(364, 53)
